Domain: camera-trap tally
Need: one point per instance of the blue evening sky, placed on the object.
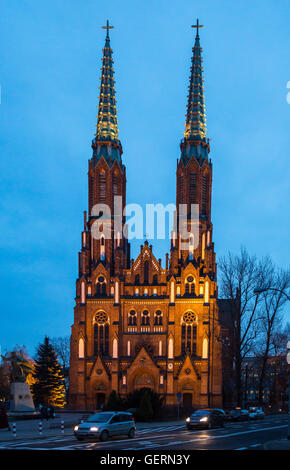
(49, 76)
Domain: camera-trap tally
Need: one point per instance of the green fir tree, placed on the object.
(145, 410)
(49, 386)
(114, 402)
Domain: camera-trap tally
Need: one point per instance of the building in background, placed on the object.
(136, 323)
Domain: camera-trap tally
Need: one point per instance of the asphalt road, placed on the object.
(234, 436)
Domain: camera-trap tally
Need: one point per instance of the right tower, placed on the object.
(192, 257)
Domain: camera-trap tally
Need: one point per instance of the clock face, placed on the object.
(170, 366)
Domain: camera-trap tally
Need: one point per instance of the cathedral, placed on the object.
(137, 323)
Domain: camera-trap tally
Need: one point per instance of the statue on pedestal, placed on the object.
(21, 398)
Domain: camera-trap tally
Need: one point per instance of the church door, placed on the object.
(100, 400)
(187, 399)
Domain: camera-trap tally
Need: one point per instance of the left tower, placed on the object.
(103, 257)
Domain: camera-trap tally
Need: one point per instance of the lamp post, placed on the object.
(288, 362)
(260, 291)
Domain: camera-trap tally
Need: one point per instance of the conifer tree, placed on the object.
(49, 386)
(145, 410)
(114, 402)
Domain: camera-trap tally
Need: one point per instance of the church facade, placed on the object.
(136, 323)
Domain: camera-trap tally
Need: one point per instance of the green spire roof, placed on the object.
(107, 125)
(195, 126)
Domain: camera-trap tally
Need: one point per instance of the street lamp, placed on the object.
(260, 291)
(288, 362)
(264, 289)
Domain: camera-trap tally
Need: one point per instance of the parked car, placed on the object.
(207, 419)
(105, 424)
(256, 413)
(239, 415)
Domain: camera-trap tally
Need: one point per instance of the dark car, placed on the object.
(239, 415)
(207, 419)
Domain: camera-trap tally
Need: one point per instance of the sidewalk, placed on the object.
(281, 444)
(29, 429)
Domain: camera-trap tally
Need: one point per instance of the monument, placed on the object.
(21, 398)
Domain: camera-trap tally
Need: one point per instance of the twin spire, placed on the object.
(195, 126)
(107, 124)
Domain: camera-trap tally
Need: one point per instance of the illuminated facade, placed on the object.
(138, 324)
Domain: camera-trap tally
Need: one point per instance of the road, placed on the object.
(234, 436)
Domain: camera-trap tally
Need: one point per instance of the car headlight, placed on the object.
(203, 419)
(76, 428)
(93, 428)
(187, 420)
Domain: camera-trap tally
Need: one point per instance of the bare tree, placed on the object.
(240, 275)
(61, 346)
(271, 324)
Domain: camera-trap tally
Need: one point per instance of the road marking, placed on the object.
(241, 448)
(137, 440)
(255, 445)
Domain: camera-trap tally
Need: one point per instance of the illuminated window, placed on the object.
(206, 292)
(115, 348)
(83, 292)
(81, 348)
(205, 348)
(170, 348)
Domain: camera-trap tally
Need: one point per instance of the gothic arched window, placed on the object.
(192, 188)
(102, 186)
(81, 348)
(188, 333)
(204, 194)
(145, 318)
(115, 183)
(181, 189)
(101, 334)
(190, 285)
(101, 287)
(146, 272)
(158, 317)
(132, 318)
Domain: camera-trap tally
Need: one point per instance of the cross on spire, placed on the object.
(197, 25)
(107, 27)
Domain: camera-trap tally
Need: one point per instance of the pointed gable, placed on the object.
(188, 370)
